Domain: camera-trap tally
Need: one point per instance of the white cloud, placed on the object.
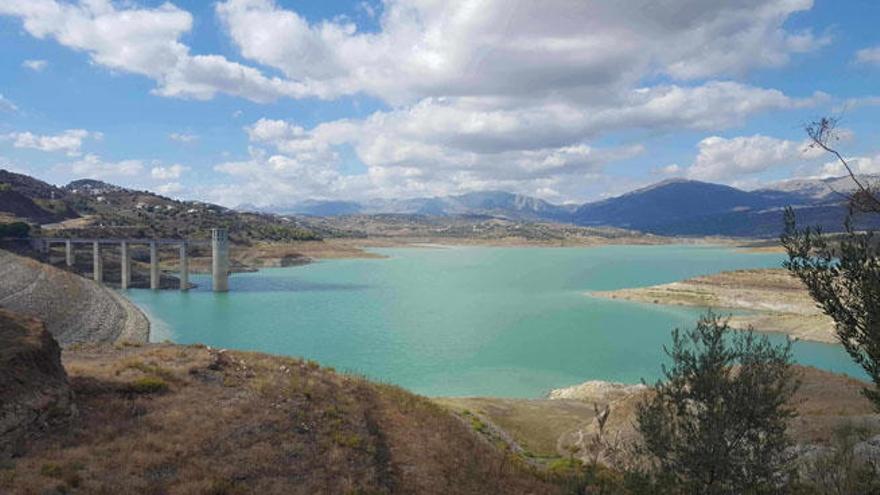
(869, 55)
(671, 169)
(145, 41)
(35, 65)
(167, 173)
(94, 167)
(69, 141)
(579, 49)
(858, 164)
(183, 137)
(727, 160)
(170, 188)
(497, 95)
(6, 105)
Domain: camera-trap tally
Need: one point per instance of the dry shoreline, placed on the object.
(775, 301)
(74, 309)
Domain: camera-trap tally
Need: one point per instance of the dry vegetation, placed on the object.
(553, 429)
(174, 419)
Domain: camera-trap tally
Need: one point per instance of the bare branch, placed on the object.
(823, 134)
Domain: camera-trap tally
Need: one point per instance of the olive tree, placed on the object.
(842, 273)
(716, 423)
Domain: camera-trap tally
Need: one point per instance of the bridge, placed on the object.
(219, 257)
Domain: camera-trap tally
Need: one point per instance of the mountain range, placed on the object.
(671, 207)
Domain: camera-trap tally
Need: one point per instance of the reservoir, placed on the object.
(463, 321)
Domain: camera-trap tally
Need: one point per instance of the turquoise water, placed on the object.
(509, 322)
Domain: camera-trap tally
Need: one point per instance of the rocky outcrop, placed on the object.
(597, 391)
(73, 308)
(34, 392)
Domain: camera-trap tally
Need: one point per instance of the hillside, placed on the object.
(34, 393)
(74, 308)
(674, 207)
(111, 211)
(189, 419)
(565, 422)
(28, 198)
(488, 203)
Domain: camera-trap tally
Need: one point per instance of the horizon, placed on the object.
(354, 101)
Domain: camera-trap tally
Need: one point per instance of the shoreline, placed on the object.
(773, 300)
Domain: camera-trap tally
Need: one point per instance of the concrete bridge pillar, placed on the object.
(154, 265)
(220, 259)
(97, 262)
(68, 252)
(184, 267)
(125, 269)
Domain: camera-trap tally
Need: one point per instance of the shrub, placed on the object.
(717, 424)
(17, 230)
(148, 385)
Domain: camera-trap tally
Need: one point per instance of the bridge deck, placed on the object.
(121, 240)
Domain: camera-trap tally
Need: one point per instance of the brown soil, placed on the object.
(562, 427)
(175, 419)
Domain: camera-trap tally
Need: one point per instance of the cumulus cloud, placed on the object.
(722, 159)
(183, 137)
(69, 141)
(145, 41)
(517, 48)
(507, 94)
(168, 173)
(35, 65)
(671, 169)
(170, 188)
(858, 164)
(94, 167)
(869, 55)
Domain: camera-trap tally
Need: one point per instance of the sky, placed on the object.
(272, 102)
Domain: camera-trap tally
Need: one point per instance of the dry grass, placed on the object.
(549, 429)
(234, 422)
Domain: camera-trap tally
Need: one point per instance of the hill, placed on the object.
(31, 199)
(190, 419)
(674, 207)
(111, 211)
(498, 204)
(73, 308)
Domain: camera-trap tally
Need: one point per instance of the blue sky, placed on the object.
(272, 102)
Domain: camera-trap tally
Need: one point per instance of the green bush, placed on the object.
(148, 385)
(717, 423)
(18, 230)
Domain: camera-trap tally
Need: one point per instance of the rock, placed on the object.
(34, 391)
(597, 391)
(868, 450)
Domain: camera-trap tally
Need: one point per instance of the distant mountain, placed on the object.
(672, 207)
(684, 207)
(488, 203)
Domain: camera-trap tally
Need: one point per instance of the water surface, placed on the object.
(510, 322)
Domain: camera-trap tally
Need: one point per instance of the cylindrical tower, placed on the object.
(220, 259)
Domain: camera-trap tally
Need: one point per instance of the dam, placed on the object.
(219, 257)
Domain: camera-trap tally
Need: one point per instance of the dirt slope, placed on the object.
(73, 308)
(175, 419)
